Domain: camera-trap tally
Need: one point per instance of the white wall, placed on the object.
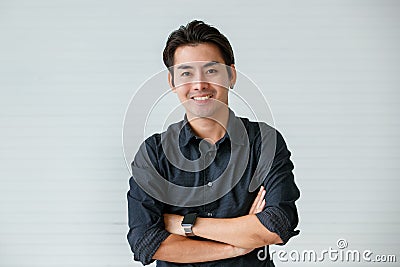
(329, 69)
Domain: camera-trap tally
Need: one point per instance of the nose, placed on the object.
(200, 83)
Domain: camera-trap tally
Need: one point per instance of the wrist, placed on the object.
(201, 226)
(236, 251)
(195, 227)
(188, 223)
(180, 231)
(232, 251)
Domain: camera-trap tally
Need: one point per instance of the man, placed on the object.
(204, 214)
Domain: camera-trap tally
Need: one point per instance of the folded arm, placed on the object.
(244, 232)
(273, 225)
(150, 239)
(181, 249)
(147, 236)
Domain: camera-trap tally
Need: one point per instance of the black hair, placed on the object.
(194, 33)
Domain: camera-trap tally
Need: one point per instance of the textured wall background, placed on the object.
(329, 69)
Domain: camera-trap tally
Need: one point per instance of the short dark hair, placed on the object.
(194, 33)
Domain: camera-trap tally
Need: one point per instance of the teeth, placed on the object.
(202, 97)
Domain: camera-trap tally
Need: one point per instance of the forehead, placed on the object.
(200, 52)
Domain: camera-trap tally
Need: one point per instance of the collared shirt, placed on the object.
(222, 184)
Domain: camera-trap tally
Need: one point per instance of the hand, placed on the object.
(173, 224)
(259, 202)
(258, 206)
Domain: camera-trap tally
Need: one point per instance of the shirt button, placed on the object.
(209, 214)
(210, 184)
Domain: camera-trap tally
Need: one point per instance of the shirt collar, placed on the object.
(235, 128)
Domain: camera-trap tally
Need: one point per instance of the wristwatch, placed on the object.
(188, 222)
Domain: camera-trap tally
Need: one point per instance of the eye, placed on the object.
(211, 71)
(186, 73)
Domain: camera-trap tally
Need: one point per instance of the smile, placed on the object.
(201, 98)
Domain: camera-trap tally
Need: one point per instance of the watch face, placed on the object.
(189, 218)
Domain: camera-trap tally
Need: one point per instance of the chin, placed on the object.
(204, 112)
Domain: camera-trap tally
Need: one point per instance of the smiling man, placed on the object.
(203, 213)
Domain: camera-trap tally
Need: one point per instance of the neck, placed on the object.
(210, 128)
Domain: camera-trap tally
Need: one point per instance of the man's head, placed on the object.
(194, 33)
(201, 68)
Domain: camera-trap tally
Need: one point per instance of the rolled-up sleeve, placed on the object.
(280, 215)
(146, 223)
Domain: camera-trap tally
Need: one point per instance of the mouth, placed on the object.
(202, 97)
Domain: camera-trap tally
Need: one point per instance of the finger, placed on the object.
(261, 198)
(255, 203)
(262, 206)
(261, 203)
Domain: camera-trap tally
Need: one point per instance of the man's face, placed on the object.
(201, 79)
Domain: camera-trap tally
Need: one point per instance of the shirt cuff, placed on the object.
(147, 246)
(276, 221)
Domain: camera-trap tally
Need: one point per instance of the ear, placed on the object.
(233, 75)
(171, 82)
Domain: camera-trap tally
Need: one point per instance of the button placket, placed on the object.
(209, 155)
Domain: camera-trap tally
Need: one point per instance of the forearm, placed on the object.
(180, 249)
(245, 231)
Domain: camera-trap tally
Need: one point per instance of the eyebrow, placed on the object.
(184, 67)
(208, 64)
(211, 63)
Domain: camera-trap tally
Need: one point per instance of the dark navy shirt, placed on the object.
(222, 187)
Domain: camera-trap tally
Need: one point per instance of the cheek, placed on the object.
(222, 91)
(182, 91)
